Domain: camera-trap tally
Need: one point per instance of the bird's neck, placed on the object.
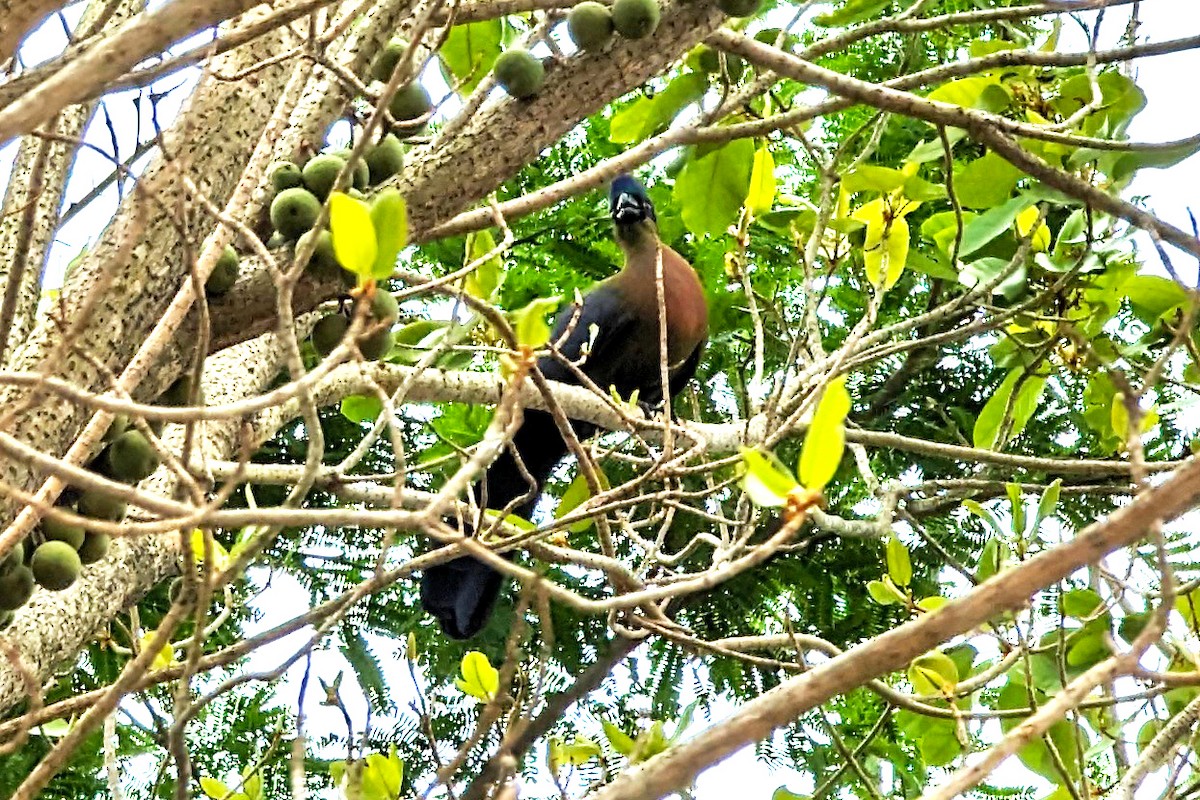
(641, 247)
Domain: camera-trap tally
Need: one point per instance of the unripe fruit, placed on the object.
(6, 618)
(590, 25)
(55, 565)
(94, 548)
(118, 426)
(323, 260)
(385, 159)
(284, 175)
(320, 173)
(56, 531)
(14, 559)
(16, 588)
(224, 274)
(384, 306)
(293, 212)
(328, 333)
(101, 505)
(131, 458)
(361, 178)
(410, 102)
(179, 393)
(635, 19)
(376, 345)
(739, 8)
(386, 60)
(519, 72)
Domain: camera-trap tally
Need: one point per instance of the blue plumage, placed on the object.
(628, 201)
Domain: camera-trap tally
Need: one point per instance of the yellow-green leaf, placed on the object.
(766, 480)
(578, 751)
(214, 788)
(885, 246)
(353, 235)
(389, 218)
(164, 658)
(762, 182)
(479, 678)
(1041, 236)
(530, 322)
(220, 557)
(488, 276)
(577, 493)
(621, 742)
(898, 563)
(931, 603)
(885, 592)
(826, 438)
(933, 673)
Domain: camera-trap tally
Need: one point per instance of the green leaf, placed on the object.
(986, 270)
(382, 776)
(990, 224)
(978, 510)
(872, 178)
(885, 245)
(885, 592)
(709, 190)
(389, 215)
(488, 276)
(578, 492)
(784, 793)
(762, 182)
(353, 235)
(471, 50)
(252, 786)
(851, 11)
(1151, 296)
(530, 324)
(766, 480)
(620, 741)
(985, 182)
(899, 565)
(933, 673)
(578, 751)
(1016, 501)
(361, 407)
(993, 558)
(1081, 603)
(214, 788)
(479, 678)
(997, 409)
(1046, 505)
(648, 116)
(825, 440)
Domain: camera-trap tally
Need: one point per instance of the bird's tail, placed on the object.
(460, 594)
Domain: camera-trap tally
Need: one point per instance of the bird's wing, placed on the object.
(600, 327)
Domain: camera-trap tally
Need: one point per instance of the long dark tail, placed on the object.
(460, 594)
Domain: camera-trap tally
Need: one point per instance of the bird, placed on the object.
(614, 337)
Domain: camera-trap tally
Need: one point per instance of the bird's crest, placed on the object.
(628, 201)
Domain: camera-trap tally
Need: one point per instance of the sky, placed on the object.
(1167, 80)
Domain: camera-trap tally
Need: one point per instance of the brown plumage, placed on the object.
(619, 316)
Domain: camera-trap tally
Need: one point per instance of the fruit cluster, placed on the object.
(382, 312)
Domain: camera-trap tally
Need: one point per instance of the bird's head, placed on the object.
(632, 212)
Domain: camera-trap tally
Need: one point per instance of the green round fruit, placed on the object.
(384, 307)
(323, 260)
(284, 175)
(16, 588)
(119, 425)
(14, 559)
(55, 565)
(328, 332)
(590, 25)
(224, 274)
(386, 60)
(320, 173)
(293, 211)
(6, 618)
(54, 530)
(410, 102)
(384, 159)
(707, 59)
(175, 589)
(101, 505)
(739, 8)
(361, 178)
(94, 547)
(519, 72)
(635, 19)
(131, 458)
(376, 345)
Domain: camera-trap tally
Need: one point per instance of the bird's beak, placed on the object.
(626, 209)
